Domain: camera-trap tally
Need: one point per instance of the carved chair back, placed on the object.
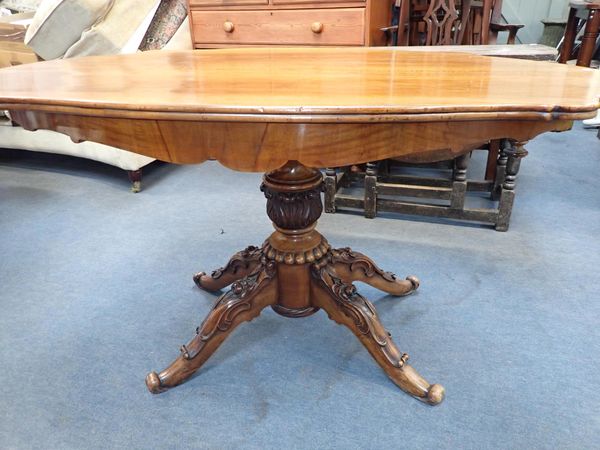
(447, 22)
(442, 22)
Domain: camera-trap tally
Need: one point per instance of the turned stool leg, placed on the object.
(330, 182)
(507, 197)
(588, 41)
(570, 35)
(459, 183)
(371, 191)
(505, 147)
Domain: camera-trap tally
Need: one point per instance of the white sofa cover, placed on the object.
(14, 137)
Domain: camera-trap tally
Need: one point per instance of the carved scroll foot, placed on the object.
(353, 266)
(245, 301)
(346, 307)
(239, 266)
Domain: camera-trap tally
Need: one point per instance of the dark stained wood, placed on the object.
(590, 35)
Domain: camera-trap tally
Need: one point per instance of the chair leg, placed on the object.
(569, 39)
(135, 176)
(459, 182)
(371, 190)
(588, 41)
(500, 169)
(492, 160)
(330, 183)
(507, 196)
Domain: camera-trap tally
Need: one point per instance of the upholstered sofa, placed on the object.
(74, 28)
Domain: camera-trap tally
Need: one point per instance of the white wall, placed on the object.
(531, 13)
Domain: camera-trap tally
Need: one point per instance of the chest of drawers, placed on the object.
(223, 23)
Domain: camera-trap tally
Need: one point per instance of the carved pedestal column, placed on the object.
(294, 205)
(296, 273)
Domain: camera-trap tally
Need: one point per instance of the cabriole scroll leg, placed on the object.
(245, 301)
(353, 266)
(239, 266)
(346, 307)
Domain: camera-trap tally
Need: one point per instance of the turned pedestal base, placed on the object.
(296, 273)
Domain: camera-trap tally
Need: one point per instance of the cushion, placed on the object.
(110, 35)
(20, 5)
(182, 39)
(133, 43)
(58, 24)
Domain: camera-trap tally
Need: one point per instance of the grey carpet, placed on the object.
(96, 290)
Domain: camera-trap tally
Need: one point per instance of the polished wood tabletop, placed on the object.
(292, 82)
(289, 112)
(255, 109)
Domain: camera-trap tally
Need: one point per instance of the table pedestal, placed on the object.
(297, 273)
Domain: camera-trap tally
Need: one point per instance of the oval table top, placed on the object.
(292, 82)
(254, 109)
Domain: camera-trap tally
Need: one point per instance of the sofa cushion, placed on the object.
(58, 24)
(182, 39)
(20, 5)
(110, 35)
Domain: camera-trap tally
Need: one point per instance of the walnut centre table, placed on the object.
(288, 112)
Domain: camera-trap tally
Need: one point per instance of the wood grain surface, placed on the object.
(302, 81)
(255, 109)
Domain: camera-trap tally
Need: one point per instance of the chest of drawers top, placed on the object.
(225, 23)
(278, 4)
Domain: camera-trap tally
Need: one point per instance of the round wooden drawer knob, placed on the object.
(228, 27)
(316, 27)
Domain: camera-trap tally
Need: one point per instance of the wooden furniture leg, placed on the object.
(504, 149)
(507, 196)
(459, 181)
(346, 307)
(354, 266)
(330, 182)
(569, 38)
(245, 301)
(135, 177)
(296, 273)
(371, 190)
(588, 41)
(239, 266)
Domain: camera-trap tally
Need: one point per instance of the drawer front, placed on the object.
(227, 2)
(345, 26)
(313, 2)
